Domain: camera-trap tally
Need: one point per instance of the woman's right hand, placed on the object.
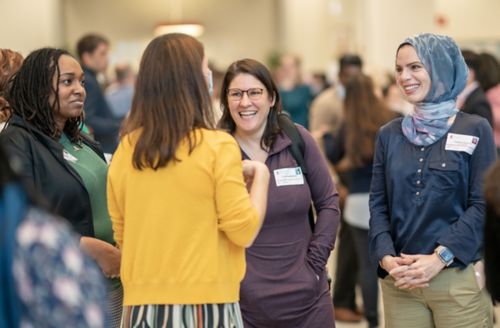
(256, 176)
(249, 170)
(107, 256)
(389, 263)
(401, 269)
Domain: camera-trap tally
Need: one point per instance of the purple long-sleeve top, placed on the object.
(286, 282)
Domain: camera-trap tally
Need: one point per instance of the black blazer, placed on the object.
(477, 103)
(39, 160)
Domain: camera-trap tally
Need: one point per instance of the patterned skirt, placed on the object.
(226, 315)
(115, 307)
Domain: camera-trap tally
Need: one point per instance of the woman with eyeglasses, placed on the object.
(181, 213)
(286, 282)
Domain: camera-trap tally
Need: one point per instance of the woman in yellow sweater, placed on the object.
(182, 215)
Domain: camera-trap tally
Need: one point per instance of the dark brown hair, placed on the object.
(31, 89)
(488, 75)
(350, 60)
(492, 231)
(365, 113)
(10, 62)
(171, 100)
(89, 43)
(261, 73)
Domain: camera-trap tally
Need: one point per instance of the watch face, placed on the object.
(446, 255)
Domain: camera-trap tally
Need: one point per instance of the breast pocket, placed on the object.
(444, 174)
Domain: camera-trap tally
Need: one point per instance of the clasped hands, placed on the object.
(412, 271)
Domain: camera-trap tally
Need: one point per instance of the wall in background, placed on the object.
(233, 28)
(383, 24)
(31, 24)
(474, 24)
(317, 30)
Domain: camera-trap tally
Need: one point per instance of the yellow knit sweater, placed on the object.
(182, 228)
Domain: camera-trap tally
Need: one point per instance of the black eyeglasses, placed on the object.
(237, 94)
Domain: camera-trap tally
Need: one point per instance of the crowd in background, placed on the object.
(180, 195)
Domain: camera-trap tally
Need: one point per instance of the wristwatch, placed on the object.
(445, 255)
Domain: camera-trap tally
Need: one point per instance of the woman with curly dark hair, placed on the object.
(61, 163)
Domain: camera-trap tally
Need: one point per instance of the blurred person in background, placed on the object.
(286, 281)
(93, 51)
(489, 79)
(492, 231)
(120, 93)
(472, 99)
(296, 96)
(318, 83)
(351, 153)
(327, 115)
(63, 164)
(181, 213)
(394, 100)
(46, 280)
(217, 76)
(10, 61)
(327, 112)
(426, 196)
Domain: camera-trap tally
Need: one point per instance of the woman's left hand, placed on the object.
(107, 256)
(420, 272)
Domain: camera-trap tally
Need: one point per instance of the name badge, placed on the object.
(289, 177)
(70, 158)
(461, 142)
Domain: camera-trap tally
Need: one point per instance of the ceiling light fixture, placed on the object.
(190, 28)
(175, 23)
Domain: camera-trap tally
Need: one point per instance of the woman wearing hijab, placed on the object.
(426, 204)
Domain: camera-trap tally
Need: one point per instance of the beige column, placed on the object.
(382, 24)
(31, 24)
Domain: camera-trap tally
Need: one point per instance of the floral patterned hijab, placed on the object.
(446, 67)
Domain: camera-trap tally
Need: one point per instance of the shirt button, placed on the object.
(422, 149)
(418, 181)
(443, 165)
(419, 171)
(417, 193)
(421, 160)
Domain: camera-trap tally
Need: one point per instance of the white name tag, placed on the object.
(70, 158)
(461, 142)
(289, 177)
(108, 156)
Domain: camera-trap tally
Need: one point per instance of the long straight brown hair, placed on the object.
(171, 100)
(365, 113)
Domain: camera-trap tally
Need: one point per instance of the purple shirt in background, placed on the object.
(286, 280)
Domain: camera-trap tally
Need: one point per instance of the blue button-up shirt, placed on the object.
(425, 196)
